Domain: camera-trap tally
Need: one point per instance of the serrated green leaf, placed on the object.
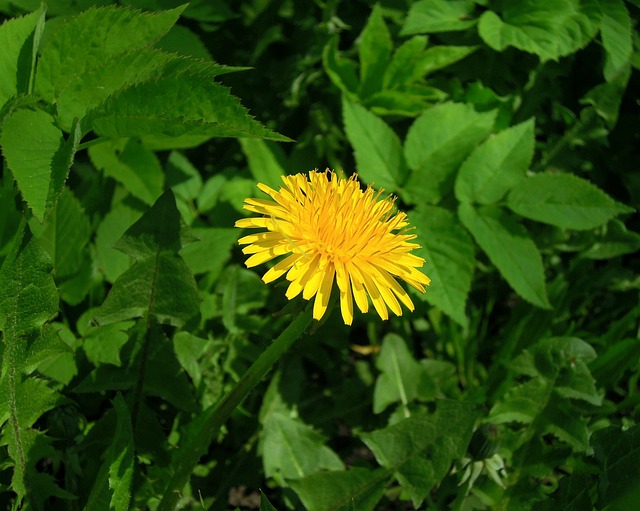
(439, 57)
(618, 451)
(617, 36)
(549, 30)
(421, 448)
(496, 165)
(159, 284)
(19, 39)
(94, 39)
(402, 378)
(198, 106)
(377, 148)
(437, 143)
(356, 488)
(432, 16)
(403, 66)
(510, 249)
(266, 161)
(293, 450)
(564, 200)
(30, 141)
(450, 259)
(133, 165)
(374, 52)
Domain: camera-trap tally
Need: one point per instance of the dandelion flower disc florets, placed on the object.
(330, 229)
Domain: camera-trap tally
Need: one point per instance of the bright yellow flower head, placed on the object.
(331, 228)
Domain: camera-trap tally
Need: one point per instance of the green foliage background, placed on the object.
(507, 130)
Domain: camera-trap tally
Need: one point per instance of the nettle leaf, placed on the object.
(450, 259)
(28, 300)
(112, 486)
(421, 448)
(403, 379)
(133, 165)
(617, 451)
(19, 39)
(510, 248)
(564, 200)
(342, 490)
(558, 368)
(377, 149)
(496, 165)
(98, 36)
(549, 30)
(437, 143)
(293, 450)
(432, 16)
(159, 284)
(181, 102)
(374, 52)
(617, 37)
(30, 141)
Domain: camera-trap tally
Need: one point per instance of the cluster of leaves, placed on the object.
(505, 129)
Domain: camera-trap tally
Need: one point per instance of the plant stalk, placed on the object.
(215, 416)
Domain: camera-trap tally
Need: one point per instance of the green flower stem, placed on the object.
(215, 416)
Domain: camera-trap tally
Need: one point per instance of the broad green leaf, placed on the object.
(64, 235)
(96, 38)
(420, 449)
(377, 148)
(112, 485)
(212, 251)
(564, 200)
(102, 344)
(9, 216)
(159, 284)
(341, 71)
(19, 39)
(266, 161)
(549, 30)
(402, 378)
(242, 291)
(185, 42)
(403, 67)
(618, 451)
(614, 361)
(176, 104)
(374, 51)
(431, 16)
(293, 450)
(495, 166)
(439, 57)
(510, 248)
(410, 102)
(131, 164)
(30, 141)
(182, 177)
(617, 36)
(340, 490)
(437, 143)
(265, 505)
(450, 259)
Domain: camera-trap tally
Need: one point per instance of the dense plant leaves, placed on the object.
(19, 39)
(102, 344)
(377, 148)
(402, 378)
(112, 487)
(431, 16)
(437, 143)
(341, 71)
(496, 165)
(450, 259)
(93, 39)
(30, 141)
(266, 161)
(342, 490)
(374, 52)
(564, 200)
(159, 284)
(617, 37)
(508, 246)
(293, 450)
(212, 251)
(618, 451)
(420, 449)
(199, 106)
(549, 30)
(28, 299)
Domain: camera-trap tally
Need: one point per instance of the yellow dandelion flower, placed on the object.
(329, 228)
